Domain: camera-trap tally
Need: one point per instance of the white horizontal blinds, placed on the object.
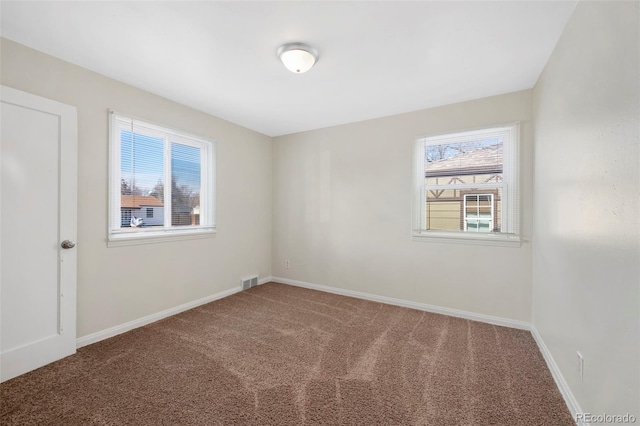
(186, 184)
(141, 170)
(456, 167)
(142, 175)
(511, 176)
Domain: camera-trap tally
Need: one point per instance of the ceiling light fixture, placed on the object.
(297, 57)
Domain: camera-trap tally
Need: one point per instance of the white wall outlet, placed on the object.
(287, 264)
(580, 365)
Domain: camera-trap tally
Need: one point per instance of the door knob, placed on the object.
(68, 244)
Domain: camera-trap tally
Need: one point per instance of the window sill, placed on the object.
(504, 240)
(153, 237)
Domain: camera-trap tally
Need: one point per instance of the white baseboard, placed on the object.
(505, 322)
(569, 399)
(265, 280)
(122, 328)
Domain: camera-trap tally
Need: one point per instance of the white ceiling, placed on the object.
(376, 58)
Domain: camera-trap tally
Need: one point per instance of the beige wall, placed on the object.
(120, 284)
(586, 259)
(342, 213)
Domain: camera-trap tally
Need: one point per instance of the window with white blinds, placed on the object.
(467, 187)
(161, 182)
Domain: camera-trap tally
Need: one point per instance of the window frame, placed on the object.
(116, 236)
(510, 197)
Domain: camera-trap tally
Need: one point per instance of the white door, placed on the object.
(38, 212)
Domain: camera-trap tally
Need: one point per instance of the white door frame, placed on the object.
(19, 360)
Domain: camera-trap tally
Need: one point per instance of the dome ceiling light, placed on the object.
(297, 57)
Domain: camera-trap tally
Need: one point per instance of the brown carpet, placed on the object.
(279, 355)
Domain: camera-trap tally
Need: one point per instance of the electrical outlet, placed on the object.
(580, 365)
(287, 264)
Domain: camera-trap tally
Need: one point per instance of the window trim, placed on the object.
(208, 186)
(510, 194)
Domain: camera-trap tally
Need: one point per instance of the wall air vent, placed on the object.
(249, 282)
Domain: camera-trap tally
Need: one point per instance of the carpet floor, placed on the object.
(282, 355)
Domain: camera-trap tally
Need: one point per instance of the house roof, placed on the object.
(479, 161)
(137, 201)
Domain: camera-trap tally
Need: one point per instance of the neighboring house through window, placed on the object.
(467, 186)
(141, 206)
(161, 184)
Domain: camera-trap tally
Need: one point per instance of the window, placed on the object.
(466, 187)
(478, 212)
(161, 183)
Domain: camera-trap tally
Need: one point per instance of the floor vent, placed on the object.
(249, 282)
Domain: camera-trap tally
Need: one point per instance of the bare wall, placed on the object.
(342, 213)
(121, 284)
(586, 258)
